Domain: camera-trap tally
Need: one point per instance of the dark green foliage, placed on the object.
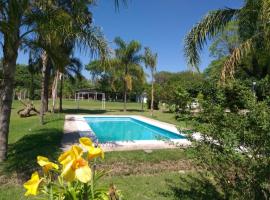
(213, 71)
(71, 85)
(27, 81)
(235, 146)
(156, 104)
(191, 82)
(237, 96)
(262, 89)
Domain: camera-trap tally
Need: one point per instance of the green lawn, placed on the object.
(138, 174)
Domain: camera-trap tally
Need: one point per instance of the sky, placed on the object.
(158, 24)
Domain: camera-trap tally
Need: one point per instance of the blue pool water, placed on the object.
(109, 129)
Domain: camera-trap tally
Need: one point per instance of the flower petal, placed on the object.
(32, 185)
(86, 142)
(65, 157)
(83, 174)
(95, 152)
(76, 151)
(68, 172)
(46, 164)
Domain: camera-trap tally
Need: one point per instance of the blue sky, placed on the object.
(158, 24)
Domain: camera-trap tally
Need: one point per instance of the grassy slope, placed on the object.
(28, 139)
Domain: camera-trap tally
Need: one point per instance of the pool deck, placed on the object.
(76, 124)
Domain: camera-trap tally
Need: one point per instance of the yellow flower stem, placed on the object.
(51, 192)
(85, 196)
(92, 179)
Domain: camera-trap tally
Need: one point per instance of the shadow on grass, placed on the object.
(135, 110)
(83, 111)
(96, 111)
(22, 155)
(192, 187)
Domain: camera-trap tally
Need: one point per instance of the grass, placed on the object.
(140, 175)
(164, 186)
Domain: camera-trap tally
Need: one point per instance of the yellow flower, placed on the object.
(74, 166)
(86, 142)
(73, 152)
(32, 184)
(93, 152)
(77, 169)
(46, 164)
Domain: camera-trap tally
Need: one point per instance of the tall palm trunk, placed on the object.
(10, 53)
(46, 88)
(32, 89)
(44, 85)
(125, 90)
(61, 93)
(152, 95)
(54, 89)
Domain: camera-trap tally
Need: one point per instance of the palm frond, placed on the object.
(120, 43)
(117, 3)
(236, 57)
(93, 40)
(209, 26)
(150, 59)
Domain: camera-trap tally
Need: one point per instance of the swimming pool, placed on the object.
(112, 129)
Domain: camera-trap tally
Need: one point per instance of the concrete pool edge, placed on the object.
(75, 124)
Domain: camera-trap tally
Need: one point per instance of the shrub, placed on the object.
(235, 149)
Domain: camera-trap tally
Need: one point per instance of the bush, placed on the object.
(235, 148)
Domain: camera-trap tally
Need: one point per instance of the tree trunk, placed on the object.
(46, 87)
(44, 84)
(125, 90)
(10, 54)
(54, 90)
(152, 95)
(31, 89)
(125, 97)
(61, 93)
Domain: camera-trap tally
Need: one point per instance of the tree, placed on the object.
(68, 27)
(107, 76)
(19, 19)
(168, 82)
(127, 55)
(253, 30)
(150, 61)
(14, 15)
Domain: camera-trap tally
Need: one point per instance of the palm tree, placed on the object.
(19, 19)
(13, 16)
(66, 25)
(150, 61)
(128, 55)
(253, 19)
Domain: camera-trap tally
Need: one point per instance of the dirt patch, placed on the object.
(122, 168)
